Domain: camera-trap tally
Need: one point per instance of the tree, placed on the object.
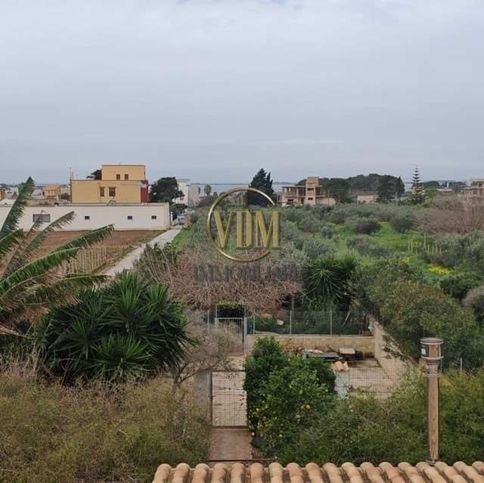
(209, 351)
(207, 190)
(263, 182)
(164, 190)
(417, 196)
(97, 174)
(292, 398)
(31, 280)
(328, 281)
(129, 329)
(337, 188)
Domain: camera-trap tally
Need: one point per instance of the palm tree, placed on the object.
(128, 329)
(32, 281)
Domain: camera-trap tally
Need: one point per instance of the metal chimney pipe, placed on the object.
(432, 357)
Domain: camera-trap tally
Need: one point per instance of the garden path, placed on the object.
(128, 261)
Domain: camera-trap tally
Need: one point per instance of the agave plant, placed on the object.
(129, 329)
(31, 281)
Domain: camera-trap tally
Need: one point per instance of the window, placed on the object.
(101, 192)
(310, 199)
(126, 177)
(87, 217)
(41, 218)
(112, 192)
(118, 177)
(129, 217)
(153, 217)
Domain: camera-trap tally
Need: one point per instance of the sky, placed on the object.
(213, 90)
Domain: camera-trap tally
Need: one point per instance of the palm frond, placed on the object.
(17, 209)
(87, 239)
(32, 271)
(9, 241)
(42, 234)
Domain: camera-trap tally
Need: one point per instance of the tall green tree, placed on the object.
(263, 182)
(164, 190)
(388, 188)
(417, 195)
(31, 280)
(207, 190)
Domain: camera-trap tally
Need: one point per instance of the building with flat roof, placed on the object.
(119, 183)
(309, 193)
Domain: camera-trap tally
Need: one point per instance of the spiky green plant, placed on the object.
(129, 329)
(31, 281)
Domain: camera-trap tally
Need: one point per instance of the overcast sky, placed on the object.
(215, 89)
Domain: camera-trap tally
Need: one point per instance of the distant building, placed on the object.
(309, 193)
(366, 198)
(119, 183)
(476, 188)
(52, 192)
(191, 193)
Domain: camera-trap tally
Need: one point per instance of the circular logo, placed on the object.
(240, 231)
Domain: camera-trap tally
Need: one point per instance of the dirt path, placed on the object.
(128, 261)
(230, 445)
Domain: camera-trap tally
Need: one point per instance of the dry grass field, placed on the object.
(105, 253)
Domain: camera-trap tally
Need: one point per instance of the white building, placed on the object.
(149, 216)
(191, 193)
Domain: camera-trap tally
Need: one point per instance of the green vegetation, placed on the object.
(125, 330)
(50, 432)
(296, 417)
(283, 394)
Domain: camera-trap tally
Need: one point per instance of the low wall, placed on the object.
(365, 344)
(148, 216)
(394, 367)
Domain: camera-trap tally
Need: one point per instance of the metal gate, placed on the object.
(228, 399)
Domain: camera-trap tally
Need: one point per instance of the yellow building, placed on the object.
(52, 192)
(120, 183)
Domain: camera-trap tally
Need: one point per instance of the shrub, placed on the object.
(475, 301)
(457, 285)
(402, 223)
(291, 399)
(50, 432)
(369, 247)
(365, 226)
(267, 356)
(393, 429)
(315, 247)
(116, 332)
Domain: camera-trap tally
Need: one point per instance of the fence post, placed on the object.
(290, 322)
(331, 322)
(245, 335)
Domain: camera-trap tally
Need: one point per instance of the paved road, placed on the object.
(128, 261)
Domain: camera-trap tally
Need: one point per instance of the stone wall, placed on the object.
(365, 344)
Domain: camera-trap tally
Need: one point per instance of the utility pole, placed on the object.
(432, 356)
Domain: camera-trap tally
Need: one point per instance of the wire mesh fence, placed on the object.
(328, 322)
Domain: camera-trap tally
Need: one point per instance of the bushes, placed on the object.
(365, 226)
(475, 301)
(56, 433)
(402, 223)
(366, 429)
(411, 309)
(315, 247)
(283, 393)
(120, 331)
(368, 247)
(457, 285)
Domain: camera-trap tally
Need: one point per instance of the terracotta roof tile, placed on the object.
(328, 473)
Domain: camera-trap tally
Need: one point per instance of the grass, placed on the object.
(90, 434)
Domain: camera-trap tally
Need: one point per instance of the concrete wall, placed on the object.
(365, 344)
(89, 217)
(135, 172)
(393, 366)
